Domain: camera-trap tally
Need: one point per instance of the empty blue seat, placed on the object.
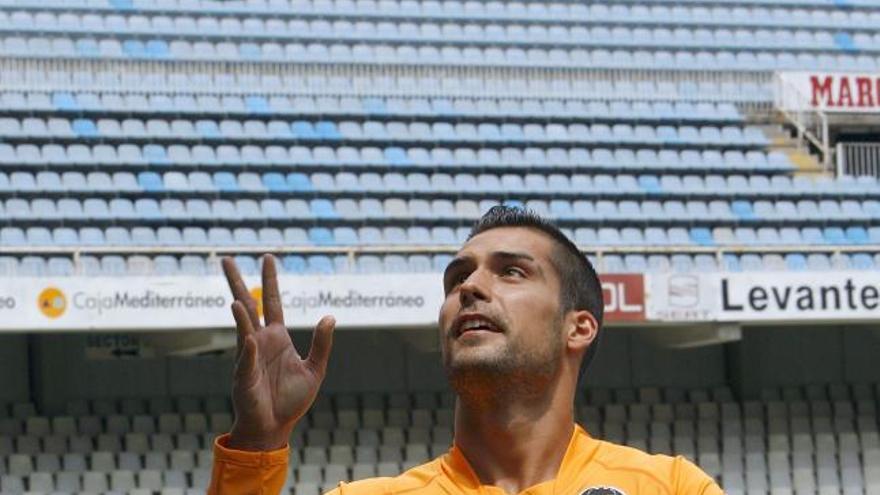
(812, 235)
(299, 182)
(225, 182)
(702, 236)
(374, 106)
(85, 128)
(148, 209)
(862, 261)
(742, 210)
(134, 48)
(327, 130)
(64, 101)
(369, 264)
(294, 264)
(247, 265)
(650, 184)
(795, 261)
(396, 156)
(834, 235)
(320, 265)
(845, 42)
(155, 154)
(856, 235)
(87, 47)
(730, 263)
(819, 262)
(275, 182)
(303, 129)
(150, 181)
(345, 236)
(156, 49)
(257, 104)
(322, 208)
(208, 129)
(321, 236)
(395, 263)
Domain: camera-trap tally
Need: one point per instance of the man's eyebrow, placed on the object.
(454, 265)
(513, 255)
(459, 261)
(519, 256)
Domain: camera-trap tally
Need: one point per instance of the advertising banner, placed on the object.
(828, 91)
(150, 303)
(764, 296)
(624, 296)
(173, 303)
(799, 296)
(683, 297)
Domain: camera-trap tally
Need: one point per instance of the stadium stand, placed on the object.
(654, 163)
(814, 439)
(647, 164)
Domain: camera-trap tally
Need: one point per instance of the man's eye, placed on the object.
(457, 280)
(514, 271)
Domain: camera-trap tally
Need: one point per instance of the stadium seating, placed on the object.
(712, 183)
(639, 126)
(796, 440)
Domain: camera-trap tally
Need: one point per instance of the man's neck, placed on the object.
(515, 442)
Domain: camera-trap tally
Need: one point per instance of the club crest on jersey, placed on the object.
(602, 490)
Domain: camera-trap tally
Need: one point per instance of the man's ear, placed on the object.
(581, 330)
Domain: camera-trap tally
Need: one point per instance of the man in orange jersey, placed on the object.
(519, 322)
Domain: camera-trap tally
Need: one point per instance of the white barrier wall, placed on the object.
(765, 297)
(413, 300)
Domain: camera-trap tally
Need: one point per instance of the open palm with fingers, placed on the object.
(273, 387)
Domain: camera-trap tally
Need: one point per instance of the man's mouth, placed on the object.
(474, 323)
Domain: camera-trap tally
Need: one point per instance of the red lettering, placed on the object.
(866, 96)
(822, 95)
(844, 98)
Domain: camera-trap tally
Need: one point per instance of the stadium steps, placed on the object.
(781, 140)
(806, 163)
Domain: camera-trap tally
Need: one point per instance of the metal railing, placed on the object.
(811, 123)
(857, 159)
(213, 253)
(352, 79)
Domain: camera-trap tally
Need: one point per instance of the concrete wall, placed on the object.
(398, 361)
(800, 355)
(14, 373)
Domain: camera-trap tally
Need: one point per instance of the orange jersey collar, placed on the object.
(580, 451)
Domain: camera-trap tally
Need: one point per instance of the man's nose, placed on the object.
(473, 289)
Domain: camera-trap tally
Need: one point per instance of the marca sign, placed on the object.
(829, 91)
(761, 296)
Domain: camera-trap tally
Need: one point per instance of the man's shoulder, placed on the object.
(666, 470)
(411, 480)
(616, 456)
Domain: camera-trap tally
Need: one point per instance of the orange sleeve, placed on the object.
(238, 472)
(691, 480)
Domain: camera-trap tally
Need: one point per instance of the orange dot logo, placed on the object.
(257, 295)
(52, 302)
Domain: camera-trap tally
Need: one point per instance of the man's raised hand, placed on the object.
(273, 387)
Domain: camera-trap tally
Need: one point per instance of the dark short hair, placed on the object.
(580, 288)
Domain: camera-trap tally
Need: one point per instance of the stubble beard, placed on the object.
(508, 370)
